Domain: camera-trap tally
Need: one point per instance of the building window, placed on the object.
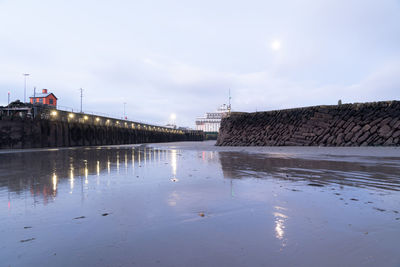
(51, 101)
(41, 100)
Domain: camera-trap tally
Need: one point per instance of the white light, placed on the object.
(54, 182)
(173, 116)
(276, 45)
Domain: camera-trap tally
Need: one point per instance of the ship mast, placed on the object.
(229, 101)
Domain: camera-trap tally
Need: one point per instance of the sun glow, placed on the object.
(276, 45)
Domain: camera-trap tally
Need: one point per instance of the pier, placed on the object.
(37, 126)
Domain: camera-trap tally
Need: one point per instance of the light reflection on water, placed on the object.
(234, 166)
(280, 219)
(216, 197)
(79, 165)
(173, 165)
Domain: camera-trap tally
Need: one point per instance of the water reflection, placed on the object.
(86, 172)
(362, 172)
(280, 219)
(117, 161)
(54, 183)
(126, 162)
(209, 156)
(173, 198)
(145, 156)
(71, 177)
(41, 173)
(98, 168)
(133, 162)
(173, 165)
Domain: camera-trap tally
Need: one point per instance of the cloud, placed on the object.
(155, 88)
(183, 57)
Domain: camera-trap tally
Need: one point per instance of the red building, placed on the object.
(44, 98)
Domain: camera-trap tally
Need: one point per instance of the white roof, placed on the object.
(41, 95)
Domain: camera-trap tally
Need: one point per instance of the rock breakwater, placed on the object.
(360, 124)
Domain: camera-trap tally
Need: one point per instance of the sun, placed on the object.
(276, 45)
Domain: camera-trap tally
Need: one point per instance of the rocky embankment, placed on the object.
(366, 124)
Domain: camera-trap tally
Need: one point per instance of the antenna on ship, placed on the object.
(229, 101)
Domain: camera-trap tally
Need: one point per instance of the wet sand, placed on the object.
(194, 204)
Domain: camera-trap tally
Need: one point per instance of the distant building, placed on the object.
(171, 126)
(44, 98)
(212, 120)
(185, 128)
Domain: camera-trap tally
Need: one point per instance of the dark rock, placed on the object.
(314, 184)
(373, 129)
(370, 124)
(396, 134)
(364, 137)
(27, 240)
(384, 130)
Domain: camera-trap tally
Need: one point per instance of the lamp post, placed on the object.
(173, 118)
(81, 97)
(8, 105)
(25, 75)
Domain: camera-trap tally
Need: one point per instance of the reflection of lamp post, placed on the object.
(25, 75)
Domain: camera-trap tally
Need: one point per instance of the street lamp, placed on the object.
(81, 97)
(173, 118)
(25, 75)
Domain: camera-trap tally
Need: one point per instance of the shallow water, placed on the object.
(193, 204)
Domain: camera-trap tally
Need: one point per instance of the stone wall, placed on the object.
(366, 124)
(48, 133)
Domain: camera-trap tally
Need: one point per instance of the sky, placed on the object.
(166, 57)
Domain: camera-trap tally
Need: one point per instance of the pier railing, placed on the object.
(98, 120)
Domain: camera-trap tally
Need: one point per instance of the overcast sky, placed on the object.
(163, 57)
